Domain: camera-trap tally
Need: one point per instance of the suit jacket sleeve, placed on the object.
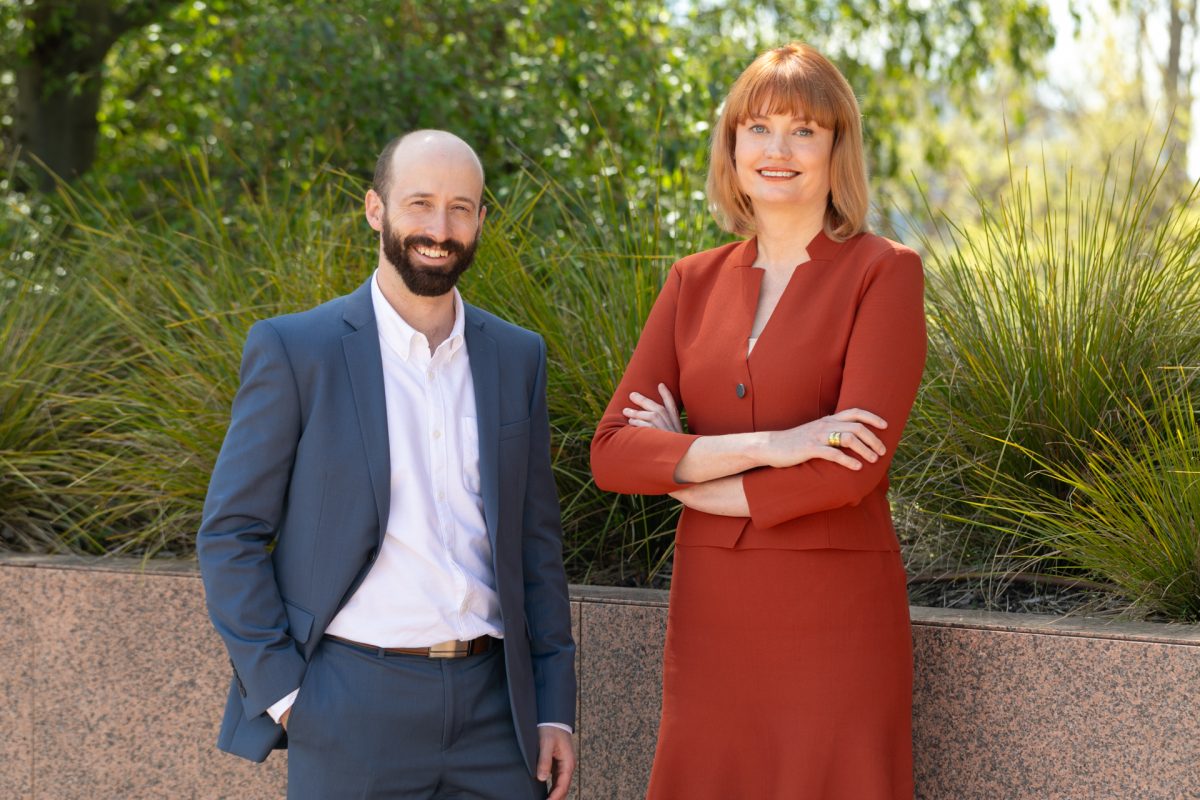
(636, 460)
(242, 513)
(884, 361)
(547, 606)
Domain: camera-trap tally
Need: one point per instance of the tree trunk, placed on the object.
(59, 80)
(1177, 95)
(56, 122)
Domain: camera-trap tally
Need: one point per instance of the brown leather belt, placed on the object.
(451, 649)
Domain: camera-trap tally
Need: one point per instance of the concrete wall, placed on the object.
(112, 683)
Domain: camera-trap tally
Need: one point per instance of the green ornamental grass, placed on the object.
(1131, 512)
(1055, 429)
(1037, 321)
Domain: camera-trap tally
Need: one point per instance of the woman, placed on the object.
(797, 354)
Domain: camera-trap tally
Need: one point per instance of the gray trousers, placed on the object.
(370, 725)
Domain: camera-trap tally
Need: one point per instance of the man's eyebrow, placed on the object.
(426, 195)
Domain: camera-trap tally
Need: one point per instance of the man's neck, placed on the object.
(432, 316)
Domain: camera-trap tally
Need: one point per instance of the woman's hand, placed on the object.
(815, 440)
(649, 414)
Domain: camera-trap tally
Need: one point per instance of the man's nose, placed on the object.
(437, 225)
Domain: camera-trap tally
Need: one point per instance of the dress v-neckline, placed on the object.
(820, 248)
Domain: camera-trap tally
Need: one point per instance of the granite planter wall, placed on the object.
(112, 682)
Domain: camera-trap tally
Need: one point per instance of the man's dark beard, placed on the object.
(422, 280)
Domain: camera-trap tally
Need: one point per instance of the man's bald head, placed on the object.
(424, 147)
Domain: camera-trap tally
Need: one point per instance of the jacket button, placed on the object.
(741, 390)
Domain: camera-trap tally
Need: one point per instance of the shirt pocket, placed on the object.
(470, 454)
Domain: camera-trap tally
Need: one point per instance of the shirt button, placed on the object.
(441, 495)
(429, 374)
(437, 434)
(741, 390)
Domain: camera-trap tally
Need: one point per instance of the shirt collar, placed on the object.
(403, 338)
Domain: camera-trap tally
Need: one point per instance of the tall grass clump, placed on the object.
(48, 337)
(1130, 514)
(1042, 326)
(177, 286)
(174, 285)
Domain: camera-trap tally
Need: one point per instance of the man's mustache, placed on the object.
(451, 246)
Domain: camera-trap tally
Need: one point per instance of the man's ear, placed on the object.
(482, 214)
(374, 209)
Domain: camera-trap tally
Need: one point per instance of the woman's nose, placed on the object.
(778, 145)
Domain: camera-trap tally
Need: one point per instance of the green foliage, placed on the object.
(170, 293)
(119, 370)
(280, 85)
(42, 356)
(1132, 509)
(261, 86)
(1036, 323)
(49, 336)
(175, 292)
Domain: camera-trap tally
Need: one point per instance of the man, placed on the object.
(408, 635)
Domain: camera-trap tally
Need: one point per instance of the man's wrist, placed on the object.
(276, 710)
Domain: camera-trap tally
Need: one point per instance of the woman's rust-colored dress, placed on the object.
(788, 661)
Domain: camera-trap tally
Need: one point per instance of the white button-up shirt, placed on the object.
(433, 579)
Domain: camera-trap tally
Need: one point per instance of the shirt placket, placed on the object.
(436, 376)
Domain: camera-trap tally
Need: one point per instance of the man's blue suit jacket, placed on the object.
(299, 496)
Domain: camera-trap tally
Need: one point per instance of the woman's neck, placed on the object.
(783, 236)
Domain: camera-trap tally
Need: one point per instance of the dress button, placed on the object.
(741, 390)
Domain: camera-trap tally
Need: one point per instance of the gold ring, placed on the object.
(835, 439)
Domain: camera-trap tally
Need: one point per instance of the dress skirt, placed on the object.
(787, 675)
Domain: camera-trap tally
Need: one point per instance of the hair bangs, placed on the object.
(786, 86)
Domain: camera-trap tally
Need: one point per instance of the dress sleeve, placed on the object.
(884, 361)
(635, 460)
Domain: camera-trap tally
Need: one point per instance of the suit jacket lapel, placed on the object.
(365, 365)
(485, 373)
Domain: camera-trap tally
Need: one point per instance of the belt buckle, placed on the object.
(451, 649)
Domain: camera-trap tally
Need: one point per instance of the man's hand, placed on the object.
(283, 720)
(556, 759)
